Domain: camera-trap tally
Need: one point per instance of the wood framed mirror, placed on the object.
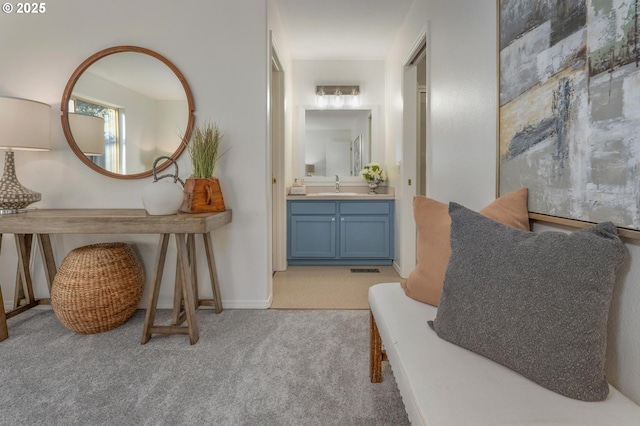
(141, 101)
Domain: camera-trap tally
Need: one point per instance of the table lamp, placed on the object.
(24, 125)
(88, 132)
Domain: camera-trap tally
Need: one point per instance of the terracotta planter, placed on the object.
(202, 195)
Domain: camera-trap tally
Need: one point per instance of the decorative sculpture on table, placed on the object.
(163, 197)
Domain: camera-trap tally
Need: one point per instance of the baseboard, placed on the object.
(396, 267)
(168, 304)
(8, 306)
(246, 304)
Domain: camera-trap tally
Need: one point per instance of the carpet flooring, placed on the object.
(250, 367)
(327, 287)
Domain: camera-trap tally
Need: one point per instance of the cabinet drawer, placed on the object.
(312, 207)
(365, 207)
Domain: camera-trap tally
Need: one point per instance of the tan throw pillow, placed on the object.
(433, 247)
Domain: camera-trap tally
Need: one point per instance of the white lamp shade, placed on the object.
(88, 132)
(24, 125)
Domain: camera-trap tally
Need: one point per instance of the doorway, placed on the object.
(278, 190)
(413, 176)
(421, 142)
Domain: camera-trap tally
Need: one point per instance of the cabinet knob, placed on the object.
(342, 219)
(333, 219)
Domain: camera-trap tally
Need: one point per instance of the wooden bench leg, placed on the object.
(4, 330)
(213, 273)
(187, 288)
(376, 354)
(24, 297)
(150, 316)
(23, 294)
(183, 296)
(50, 269)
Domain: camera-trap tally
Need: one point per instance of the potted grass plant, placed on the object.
(202, 191)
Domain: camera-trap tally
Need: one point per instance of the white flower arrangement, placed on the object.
(373, 172)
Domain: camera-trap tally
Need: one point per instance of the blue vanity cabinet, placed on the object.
(311, 229)
(356, 232)
(365, 229)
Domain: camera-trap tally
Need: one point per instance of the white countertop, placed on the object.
(346, 193)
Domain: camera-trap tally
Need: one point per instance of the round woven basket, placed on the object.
(98, 287)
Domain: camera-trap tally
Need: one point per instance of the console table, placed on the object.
(184, 227)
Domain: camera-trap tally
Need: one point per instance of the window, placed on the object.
(113, 159)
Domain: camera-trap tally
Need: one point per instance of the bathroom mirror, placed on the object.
(145, 103)
(335, 142)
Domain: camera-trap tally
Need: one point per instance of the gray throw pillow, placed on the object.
(537, 303)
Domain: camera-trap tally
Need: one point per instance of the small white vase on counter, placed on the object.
(163, 197)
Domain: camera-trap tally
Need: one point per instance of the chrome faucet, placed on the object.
(337, 184)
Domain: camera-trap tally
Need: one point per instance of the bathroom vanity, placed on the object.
(346, 228)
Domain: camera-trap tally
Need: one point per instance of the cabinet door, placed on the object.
(365, 237)
(313, 237)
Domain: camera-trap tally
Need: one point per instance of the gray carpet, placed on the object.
(250, 367)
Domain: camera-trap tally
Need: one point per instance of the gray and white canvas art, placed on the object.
(570, 107)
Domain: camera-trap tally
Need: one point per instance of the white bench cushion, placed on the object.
(443, 384)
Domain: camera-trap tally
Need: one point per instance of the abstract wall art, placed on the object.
(569, 107)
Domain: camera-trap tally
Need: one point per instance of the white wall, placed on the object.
(221, 48)
(462, 90)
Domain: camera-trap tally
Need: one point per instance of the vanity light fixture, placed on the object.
(321, 100)
(337, 96)
(88, 132)
(355, 96)
(338, 100)
(24, 125)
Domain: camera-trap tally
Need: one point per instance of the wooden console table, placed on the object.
(184, 226)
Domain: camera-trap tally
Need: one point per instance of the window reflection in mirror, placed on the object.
(114, 149)
(336, 142)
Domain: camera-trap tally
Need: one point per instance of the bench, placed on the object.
(443, 384)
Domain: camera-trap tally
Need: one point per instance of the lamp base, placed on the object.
(14, 196)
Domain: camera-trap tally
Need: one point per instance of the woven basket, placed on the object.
(98, 287)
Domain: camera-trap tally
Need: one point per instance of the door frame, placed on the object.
(277, 136)
(408, 173)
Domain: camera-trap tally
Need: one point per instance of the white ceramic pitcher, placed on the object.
(163, 197)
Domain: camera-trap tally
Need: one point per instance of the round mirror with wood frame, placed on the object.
(142, 100)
